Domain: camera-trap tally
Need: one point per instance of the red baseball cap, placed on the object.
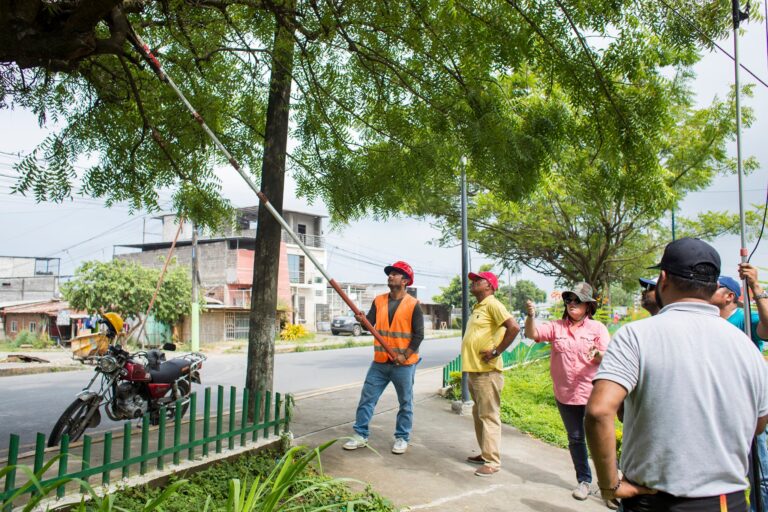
(488, 276)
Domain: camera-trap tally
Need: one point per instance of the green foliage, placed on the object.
(454, 382)
(126, 288)
(622, 297)
(24, 338)
(262, 482)
(388, 97)
(95, 503)
(520, 292)
(596, 217)
(450, 295)
(528, 403)
(293, 332)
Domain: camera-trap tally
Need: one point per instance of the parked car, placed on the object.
(347, 324)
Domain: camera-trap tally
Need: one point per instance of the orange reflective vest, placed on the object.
(398, 334)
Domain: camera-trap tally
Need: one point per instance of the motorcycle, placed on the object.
(130, 386)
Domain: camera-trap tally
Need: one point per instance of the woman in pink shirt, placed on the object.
(578, 344)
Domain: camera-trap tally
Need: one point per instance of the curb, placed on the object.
(13, 372)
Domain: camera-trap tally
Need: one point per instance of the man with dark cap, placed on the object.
(648, 296)
(695, 393)
(399, 319)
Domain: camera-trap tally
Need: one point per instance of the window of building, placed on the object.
(302, 310)
(32, 327)
(236, 326)
(296, 268)
(14, 326)
(301, 229)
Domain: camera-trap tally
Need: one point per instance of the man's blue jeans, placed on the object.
(379, 375)
(762, 452)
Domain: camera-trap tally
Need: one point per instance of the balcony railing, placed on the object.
(308, 240)
(297, 276)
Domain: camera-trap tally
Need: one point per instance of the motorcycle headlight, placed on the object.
(107, 364)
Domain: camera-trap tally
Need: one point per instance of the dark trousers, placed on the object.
(663, 502)
(573, 419)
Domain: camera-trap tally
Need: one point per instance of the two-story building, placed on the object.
(226, 269)
(25, 278)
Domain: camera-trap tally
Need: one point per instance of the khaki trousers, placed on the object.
(485, 388)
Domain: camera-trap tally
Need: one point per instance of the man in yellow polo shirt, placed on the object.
(490, 330)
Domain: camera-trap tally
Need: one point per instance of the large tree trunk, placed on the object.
(261, 335)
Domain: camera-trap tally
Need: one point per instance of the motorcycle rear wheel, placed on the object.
(184, 390)
(71, 422)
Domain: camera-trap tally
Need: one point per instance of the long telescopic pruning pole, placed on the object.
(738, 16)
(147, 53)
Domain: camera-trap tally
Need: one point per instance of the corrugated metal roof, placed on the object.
(51, 307)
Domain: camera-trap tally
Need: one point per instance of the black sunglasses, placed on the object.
(571, 300)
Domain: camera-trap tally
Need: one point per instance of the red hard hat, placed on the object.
(403, 268)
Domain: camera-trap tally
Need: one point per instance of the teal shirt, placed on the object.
(737, 319)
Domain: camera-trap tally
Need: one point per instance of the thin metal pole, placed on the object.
(673, 224)
(739, 167)
(464, 271)
(195, 310)
(145, 50)
(755, 482)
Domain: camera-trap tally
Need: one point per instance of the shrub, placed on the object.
(454, 382)
(24, 338)
(456, 323)
(43, 341)
(292, 332)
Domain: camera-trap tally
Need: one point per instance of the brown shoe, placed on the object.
(477, 459)
(486, 470)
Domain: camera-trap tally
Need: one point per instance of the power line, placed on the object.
(712, 41)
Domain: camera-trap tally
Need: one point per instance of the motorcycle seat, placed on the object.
(169, 371)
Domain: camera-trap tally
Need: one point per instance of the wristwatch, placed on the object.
(761, 295)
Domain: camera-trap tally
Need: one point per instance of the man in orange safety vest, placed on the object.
(399, 319)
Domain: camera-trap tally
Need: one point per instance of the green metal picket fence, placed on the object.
(156, 446)
(521, 353)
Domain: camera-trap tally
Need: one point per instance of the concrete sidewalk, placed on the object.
(433, 474)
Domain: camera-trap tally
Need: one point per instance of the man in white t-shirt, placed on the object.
(695, 393)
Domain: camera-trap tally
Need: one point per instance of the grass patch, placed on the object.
(528, 403)
(333, 346)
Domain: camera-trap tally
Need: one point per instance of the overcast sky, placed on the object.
(84, 229)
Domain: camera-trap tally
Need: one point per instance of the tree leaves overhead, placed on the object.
(389, 95)
(595, 218)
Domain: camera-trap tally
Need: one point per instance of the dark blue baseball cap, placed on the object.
(730, 283)
(683, 255)
(647, 283)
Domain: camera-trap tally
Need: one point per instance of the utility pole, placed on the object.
(195, 317)
(465, 398)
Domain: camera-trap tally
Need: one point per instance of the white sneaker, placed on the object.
(582, 491)
(355, 442)
(400, 446)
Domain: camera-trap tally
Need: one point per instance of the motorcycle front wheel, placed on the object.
(72, 422)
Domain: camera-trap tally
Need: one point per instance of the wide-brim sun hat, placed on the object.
(583, 291)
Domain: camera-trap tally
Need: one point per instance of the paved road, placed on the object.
(32, 403)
